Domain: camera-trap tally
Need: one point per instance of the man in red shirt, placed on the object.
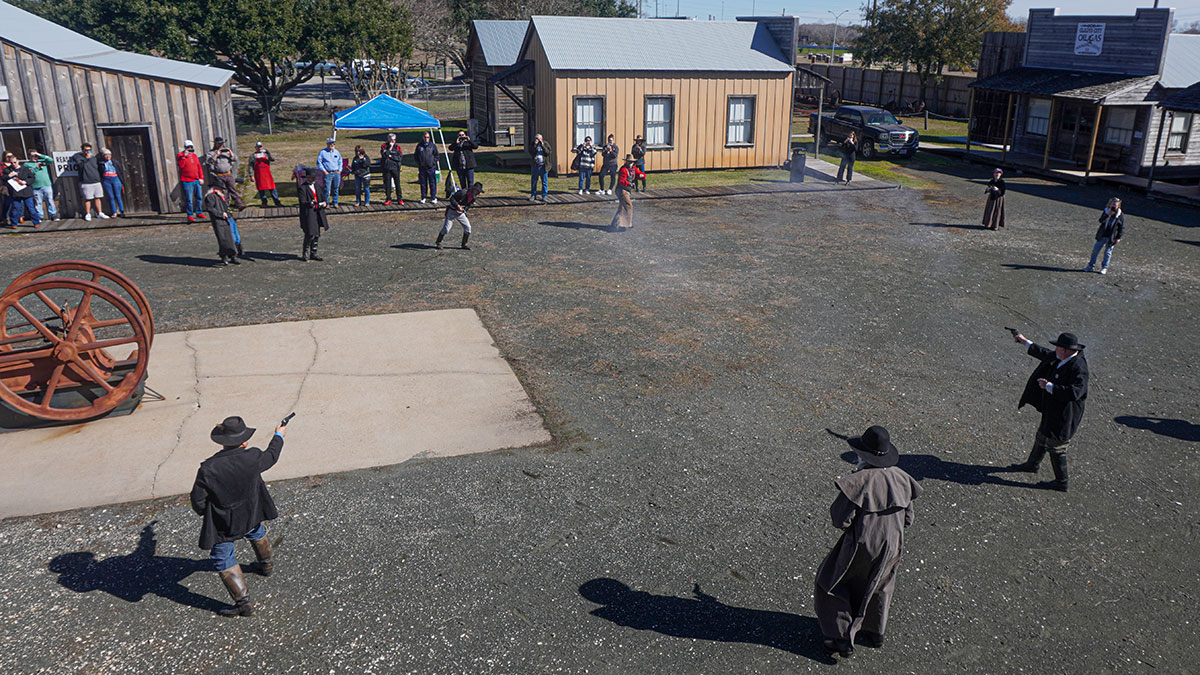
(627, 180)
(191, 180)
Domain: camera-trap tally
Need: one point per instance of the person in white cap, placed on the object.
(191, 180)
(329, 161)
(260, 168)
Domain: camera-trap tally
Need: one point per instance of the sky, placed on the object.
(1186, 11)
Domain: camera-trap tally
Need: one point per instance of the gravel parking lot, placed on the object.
(696, 373)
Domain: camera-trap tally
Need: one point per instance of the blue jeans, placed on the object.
(1105, 244)
(222, 555)
(585, 174)
(466, 178)
(333, 185)
(192, 196)
(362, 189)
(44, 196)
(428, 180)
(538, 170)
(21, 206)
(112, 190)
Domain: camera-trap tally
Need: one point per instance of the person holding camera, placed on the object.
(191, 181)
(390, 156)
(1112, 228)
(264, 180)
(463, 159)
(222, 164)
(539, 152)
(586, 157)
(849, 148)
(229, 493)
(426, 153)
(610, 153)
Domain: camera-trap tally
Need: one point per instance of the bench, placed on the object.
(1104, 156)
(506, 160)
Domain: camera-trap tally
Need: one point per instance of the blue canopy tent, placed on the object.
(385, 112)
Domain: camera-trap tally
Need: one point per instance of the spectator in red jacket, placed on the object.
(191, 180)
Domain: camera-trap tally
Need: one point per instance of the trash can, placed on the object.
(798, 159)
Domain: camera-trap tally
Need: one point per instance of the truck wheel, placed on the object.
(867, 149)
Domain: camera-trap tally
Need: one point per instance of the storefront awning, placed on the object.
(1105, 88)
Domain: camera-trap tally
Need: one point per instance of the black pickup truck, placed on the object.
(876, 130)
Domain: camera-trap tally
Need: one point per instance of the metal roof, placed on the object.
(1093, 87)
(1181, 67)
(32, 32)
(590, 43)
(500, 40)
(1187, 100)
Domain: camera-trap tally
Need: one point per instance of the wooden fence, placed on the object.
(872, 86)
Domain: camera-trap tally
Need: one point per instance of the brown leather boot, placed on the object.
(262, 551)
(235, 583)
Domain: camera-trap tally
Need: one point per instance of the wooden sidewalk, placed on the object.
(815, 181)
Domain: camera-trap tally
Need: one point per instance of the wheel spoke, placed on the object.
(81, 312)
(41, 295)
(88, 371)
(14, 357)
(20, 337)
(109, 322)
(33, 321)
(105, 344)
(52, 385)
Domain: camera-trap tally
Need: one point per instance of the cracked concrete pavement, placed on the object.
(262, 373)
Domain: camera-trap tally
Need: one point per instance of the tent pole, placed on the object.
(446, 154)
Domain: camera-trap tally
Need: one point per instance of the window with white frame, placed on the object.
(740, 129)
(1119, 130)
(589, 119)
(660, 121)
(1037, 122)
(1181, 128)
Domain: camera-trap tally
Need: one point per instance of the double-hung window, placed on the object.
(1119, 130)
(589, 119)
(1037, 122)
(660, 121)
(739, 129)
(1181, 128)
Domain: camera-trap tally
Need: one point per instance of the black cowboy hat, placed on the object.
(478, 187)
(875, 447)
(218, 141)
(1067, 341)
(231, 432)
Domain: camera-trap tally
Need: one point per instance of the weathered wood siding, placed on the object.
(1133, 45)
(543, 98)
(494, 112)
(872, 86)
(700, 111)
(73, 104)
(1171, 164)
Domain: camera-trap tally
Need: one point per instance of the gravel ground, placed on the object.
(695, 373)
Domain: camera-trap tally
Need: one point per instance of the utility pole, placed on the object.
(833, 47)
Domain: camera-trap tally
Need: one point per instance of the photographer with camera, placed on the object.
(222, 163)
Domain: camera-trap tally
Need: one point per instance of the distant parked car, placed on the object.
(323, 68)
(877, 130)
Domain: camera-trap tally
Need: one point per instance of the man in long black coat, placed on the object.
(217, 208)
(312, 216)
(1058, 389)
(231, 496)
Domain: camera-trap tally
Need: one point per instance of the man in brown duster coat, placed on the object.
(855, 581)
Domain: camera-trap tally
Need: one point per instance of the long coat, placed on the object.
(993, 212)
(230, 493)
(217, 208)
(312, 215)
(1061, 410)
(855, 581)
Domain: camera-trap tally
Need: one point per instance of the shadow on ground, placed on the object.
(134, 576)
(704, 618)
(956, 226)
(187, 260)
(1040, 268)
(1163, 426)
(576, 226)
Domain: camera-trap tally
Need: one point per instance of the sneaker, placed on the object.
(201, 216)
(401, 202)
(1088, 269)
(532, 197)
(423, 200)
(387, 202)
(435, 200)
(608, 192)
(581, 192)
(88, 216)
(1103, 270)
(102, 216)
(191, 219)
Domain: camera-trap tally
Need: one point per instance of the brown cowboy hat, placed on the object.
(629, 159)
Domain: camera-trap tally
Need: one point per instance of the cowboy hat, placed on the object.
(478, 187)
(629, 159)
(875, 447)
(1067, 341)
(231, 432)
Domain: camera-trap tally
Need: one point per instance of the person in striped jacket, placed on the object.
(587, 163)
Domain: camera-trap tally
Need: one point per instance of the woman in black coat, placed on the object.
(1112, 228)
(993, 212)
(312, 216)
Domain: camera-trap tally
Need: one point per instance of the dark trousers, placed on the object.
(273, 193)
(847, 168)
(229, 182)
(428, 180)
(466, 177)
(21, 206)
(611, 172)
(641, 165)
(391, 177)
(226, 246)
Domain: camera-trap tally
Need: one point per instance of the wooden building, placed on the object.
(60, 89)
(1087, 92)
(704, 94)
(492, 47)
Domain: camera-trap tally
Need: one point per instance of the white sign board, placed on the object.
(1089, 39)
(63, 166)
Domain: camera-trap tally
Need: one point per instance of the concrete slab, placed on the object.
(367, 391)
